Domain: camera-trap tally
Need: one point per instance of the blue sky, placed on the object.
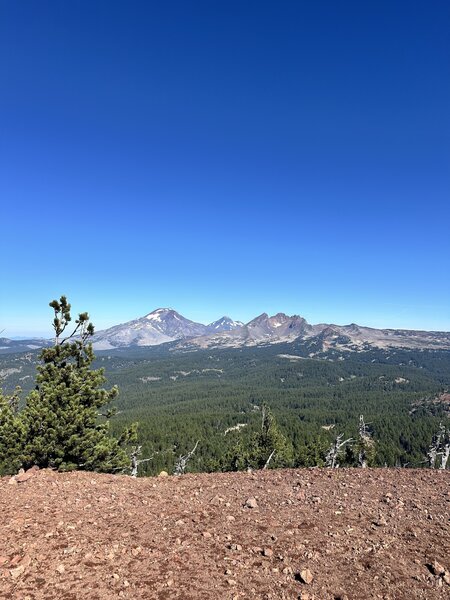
(230, 157)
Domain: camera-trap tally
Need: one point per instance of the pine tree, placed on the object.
(267, 447)
(11, 434)
(270, 446)
(64, 426)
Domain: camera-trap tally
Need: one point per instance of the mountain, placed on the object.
(224, 324)
(281, 328)
(160, 326)
(8, 346)
(167, 325)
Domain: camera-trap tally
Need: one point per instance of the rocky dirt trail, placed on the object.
(305, 534)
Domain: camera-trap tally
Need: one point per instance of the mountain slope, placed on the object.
(282, 328)
(158, 327)
(167, 325)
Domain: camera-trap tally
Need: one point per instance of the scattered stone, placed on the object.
(436, 568)
(15, 560)
(22, 477)
(305, 576)
(267, 552)
(163, 474)
(12, 481)
(17, 572)
(380, 522)
(236, 547)
(61, 569)
(206, 534)
(251, 503)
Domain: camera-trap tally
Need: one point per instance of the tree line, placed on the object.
(67, 423)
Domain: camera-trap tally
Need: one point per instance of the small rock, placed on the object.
(12, 481)
(305, 576)
(236, 547)
(251, 503)
(436, 568)
(163, 474)
(380, 522)
(231, 581)
(26, 561)
(267, 552)
(17, 572)
(61, 569)
(22, 477)
(206, 534)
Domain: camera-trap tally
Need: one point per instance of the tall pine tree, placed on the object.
(64, 424)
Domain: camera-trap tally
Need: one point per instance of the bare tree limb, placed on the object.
(269, 459)
(181, 464)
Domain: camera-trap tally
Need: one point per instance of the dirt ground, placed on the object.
(307, 534)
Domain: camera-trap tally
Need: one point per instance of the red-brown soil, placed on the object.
(361, 533)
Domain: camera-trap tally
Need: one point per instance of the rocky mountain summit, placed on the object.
(318, 534)
(158, 327)
(282, 328)
(165, 325)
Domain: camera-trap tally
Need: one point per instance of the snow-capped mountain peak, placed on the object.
(157, 327)
(161, 314)
(224, 324)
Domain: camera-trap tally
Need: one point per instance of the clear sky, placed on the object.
(225, 157)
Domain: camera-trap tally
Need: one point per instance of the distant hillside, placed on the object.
(165, 325)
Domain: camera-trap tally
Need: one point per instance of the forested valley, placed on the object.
(215, 398)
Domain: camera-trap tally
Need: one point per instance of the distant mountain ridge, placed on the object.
(158, 327)
(165, 325)
(282, 328)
